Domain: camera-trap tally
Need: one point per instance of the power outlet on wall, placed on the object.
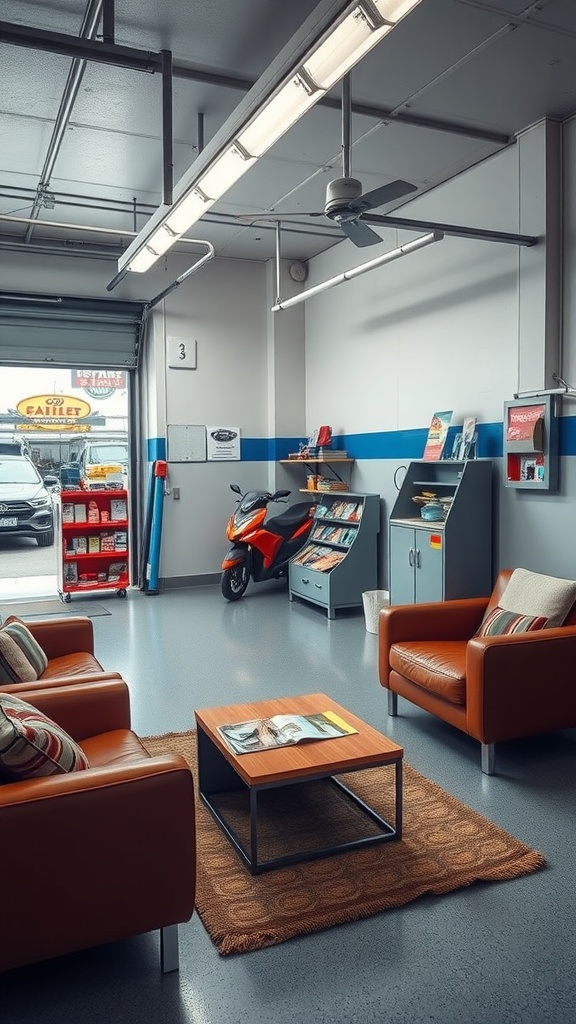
(176, 493)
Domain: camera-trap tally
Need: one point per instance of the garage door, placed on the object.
(69, 331)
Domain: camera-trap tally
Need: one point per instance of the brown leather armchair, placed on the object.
(100, 854)
(68, 643)
(493, 688)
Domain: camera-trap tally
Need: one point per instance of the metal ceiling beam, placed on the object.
(151, 62)
(73, 82)
(459, 231)
(85, 49)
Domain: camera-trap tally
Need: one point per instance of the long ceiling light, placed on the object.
(338, 45)
(363, 268)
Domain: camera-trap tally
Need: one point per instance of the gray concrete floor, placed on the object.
(484, 955)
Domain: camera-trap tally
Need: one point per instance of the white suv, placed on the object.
(26, 508)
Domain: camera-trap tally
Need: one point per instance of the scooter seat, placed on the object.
(285, 523)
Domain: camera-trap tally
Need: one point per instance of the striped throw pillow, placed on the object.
(14, 665)
(32, 745)
(499, 622)
(27, 643)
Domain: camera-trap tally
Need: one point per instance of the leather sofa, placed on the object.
(97, 855)
(493, 688)
(68, 643)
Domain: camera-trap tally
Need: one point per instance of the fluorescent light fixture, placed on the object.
(143, 260)
(317, 65)
(394, 254)
(278, 115)
(190, 209)
(226, 171)
(344, 47)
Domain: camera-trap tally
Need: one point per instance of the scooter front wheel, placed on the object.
(234, 581)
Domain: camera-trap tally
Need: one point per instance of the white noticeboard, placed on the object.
(186, 443)
(223, 444)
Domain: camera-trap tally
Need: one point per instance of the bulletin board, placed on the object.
(186, 442)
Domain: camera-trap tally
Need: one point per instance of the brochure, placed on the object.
(282, 731)
(437, 435)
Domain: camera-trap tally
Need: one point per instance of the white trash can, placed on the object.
(374, 601)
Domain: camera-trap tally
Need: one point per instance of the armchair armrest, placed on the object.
(520, 685)
(85, 709)
(117, 856)
(68, 635)
(438, 620)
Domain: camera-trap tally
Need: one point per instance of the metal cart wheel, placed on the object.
(121, 592)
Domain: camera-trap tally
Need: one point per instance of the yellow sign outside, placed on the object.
(52, 412)
(78, 428)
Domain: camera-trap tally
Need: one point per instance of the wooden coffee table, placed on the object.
(220, 771)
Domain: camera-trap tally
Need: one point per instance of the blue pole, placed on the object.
(153, 565)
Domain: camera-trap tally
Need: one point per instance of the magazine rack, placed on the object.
(531, 443)
(339, 561)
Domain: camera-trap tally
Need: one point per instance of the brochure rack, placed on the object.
(339, 561)
(531, 443)
(94, 546)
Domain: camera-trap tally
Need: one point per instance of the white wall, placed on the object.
(440, 329)
(436, 329)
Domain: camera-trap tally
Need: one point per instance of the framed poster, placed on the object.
(223, 444)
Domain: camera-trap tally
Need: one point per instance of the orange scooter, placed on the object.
(261, 548)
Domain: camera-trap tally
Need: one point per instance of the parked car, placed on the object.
(26, 507)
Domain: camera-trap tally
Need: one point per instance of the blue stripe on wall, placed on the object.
(386, 444)
(156, 448)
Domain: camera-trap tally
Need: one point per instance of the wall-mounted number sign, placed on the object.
(182, 353)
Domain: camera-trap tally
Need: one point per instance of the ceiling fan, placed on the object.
(345, 202)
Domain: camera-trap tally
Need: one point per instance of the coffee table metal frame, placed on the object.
(217, 774)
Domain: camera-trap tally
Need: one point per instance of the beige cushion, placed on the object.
(531, 593)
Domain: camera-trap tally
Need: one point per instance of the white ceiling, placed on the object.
(452, 84)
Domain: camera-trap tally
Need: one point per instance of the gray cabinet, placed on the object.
(447, 558)
(339, 562)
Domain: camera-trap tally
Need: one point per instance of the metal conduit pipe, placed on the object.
(73, 82)
(85, 227)
(187, 273)
(58, 250)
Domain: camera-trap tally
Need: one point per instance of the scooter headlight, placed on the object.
(242, 521)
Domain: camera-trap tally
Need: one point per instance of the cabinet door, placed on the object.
(402, 553)
(429, 566)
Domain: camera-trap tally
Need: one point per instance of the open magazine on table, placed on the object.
(282, 731)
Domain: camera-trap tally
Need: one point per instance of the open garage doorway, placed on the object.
(59, 428)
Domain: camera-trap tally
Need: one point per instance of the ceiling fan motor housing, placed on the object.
(339, 193)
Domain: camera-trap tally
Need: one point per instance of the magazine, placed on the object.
(437, 436)
(282, 731)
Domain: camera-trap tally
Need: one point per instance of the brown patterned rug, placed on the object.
(445, 846)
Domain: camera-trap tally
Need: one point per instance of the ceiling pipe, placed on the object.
(481, 234)
(8, 218)
(73, 82)
(209, 255)
(150, 62)
(41, 249)
(348, 275)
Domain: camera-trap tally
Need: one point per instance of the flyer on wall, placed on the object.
(223, 444)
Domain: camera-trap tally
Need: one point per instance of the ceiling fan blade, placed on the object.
(380, 196)
(360, 233)
(249, 218)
